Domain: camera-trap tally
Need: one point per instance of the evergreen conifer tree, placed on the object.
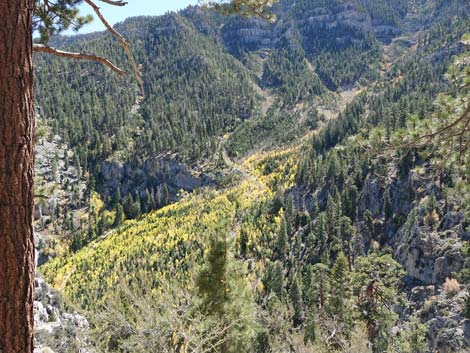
(225, 298)
(388, 210)
(310, 323)
(119, 217)
(339, 289)
(295, 295)
(282, 241)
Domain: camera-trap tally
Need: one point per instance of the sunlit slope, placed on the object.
(166, 244)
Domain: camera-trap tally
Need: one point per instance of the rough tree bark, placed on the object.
(16, 177)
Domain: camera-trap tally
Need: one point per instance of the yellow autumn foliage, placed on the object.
(168, 243)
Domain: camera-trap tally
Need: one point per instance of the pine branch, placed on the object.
(41, 48)
(456, 122)
(115, 2)
(445, 132)
(119, 36)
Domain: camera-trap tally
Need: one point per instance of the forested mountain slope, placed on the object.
(308, 223)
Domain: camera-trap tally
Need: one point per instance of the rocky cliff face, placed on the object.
(307, 19)
(58, 183)
(55, 329)
(152, 173)
(55, 173)
(426, 238)
(448, 330)
(425, 235)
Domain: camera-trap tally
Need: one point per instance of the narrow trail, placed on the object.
(239, 168)
(268, 99)
(63, 284)
(247, 176)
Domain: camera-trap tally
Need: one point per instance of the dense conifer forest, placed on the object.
(277, 188)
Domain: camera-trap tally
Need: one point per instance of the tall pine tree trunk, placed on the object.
(16, 177)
